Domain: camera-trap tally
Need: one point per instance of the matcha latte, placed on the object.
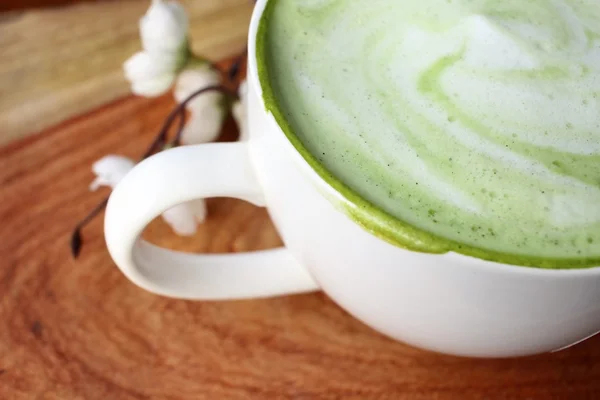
(456, 125)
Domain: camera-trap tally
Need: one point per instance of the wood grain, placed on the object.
(77, 329)
(12, 5)
(60, 62)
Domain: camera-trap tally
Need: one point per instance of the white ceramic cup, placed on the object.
(448, 303)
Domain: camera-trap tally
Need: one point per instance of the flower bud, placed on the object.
(164, 28)
(163, 32)
(149, 76)
(207, 109)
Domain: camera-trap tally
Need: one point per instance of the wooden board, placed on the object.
(60, 62)
(12, 5)
(77, 329)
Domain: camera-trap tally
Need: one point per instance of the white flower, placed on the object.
(164, 28)
(110, 170)
(149, 76)
(163, 32)
(183, 218)
(207, 112)
(240, 111)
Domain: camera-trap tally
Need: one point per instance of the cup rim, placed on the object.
(335, 193)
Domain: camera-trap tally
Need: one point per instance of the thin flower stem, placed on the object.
(234, 70)
(76, 240)
(180, 127)
(180, 110)
(156, 145)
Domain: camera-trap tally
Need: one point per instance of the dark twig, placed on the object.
(160, 139)
(156, 145)
(234, 70)
(76, 240)
(179, 131)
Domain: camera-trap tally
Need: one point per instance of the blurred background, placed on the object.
(63, 58)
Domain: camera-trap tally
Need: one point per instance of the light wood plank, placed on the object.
(60, 62)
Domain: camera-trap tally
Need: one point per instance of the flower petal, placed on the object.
(110, 170)
(184, 218)
(149, 76)
(142, 66)
(198, 208)
(207, 110)
(239, 111)
(153, 87)
(239, 115)
(191, 80)
(204, 125)
(99, 181)
(243, 90)
(163, 29)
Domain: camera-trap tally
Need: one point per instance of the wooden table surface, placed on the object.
(77, 329)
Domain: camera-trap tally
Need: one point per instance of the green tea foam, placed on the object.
(474, 123)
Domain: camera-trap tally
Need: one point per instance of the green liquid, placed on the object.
(465, 126)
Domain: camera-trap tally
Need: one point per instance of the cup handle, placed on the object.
(179, 175)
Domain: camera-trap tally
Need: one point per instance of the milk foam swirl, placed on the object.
(476, 121)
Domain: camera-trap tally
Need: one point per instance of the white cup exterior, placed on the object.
(447, 303)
